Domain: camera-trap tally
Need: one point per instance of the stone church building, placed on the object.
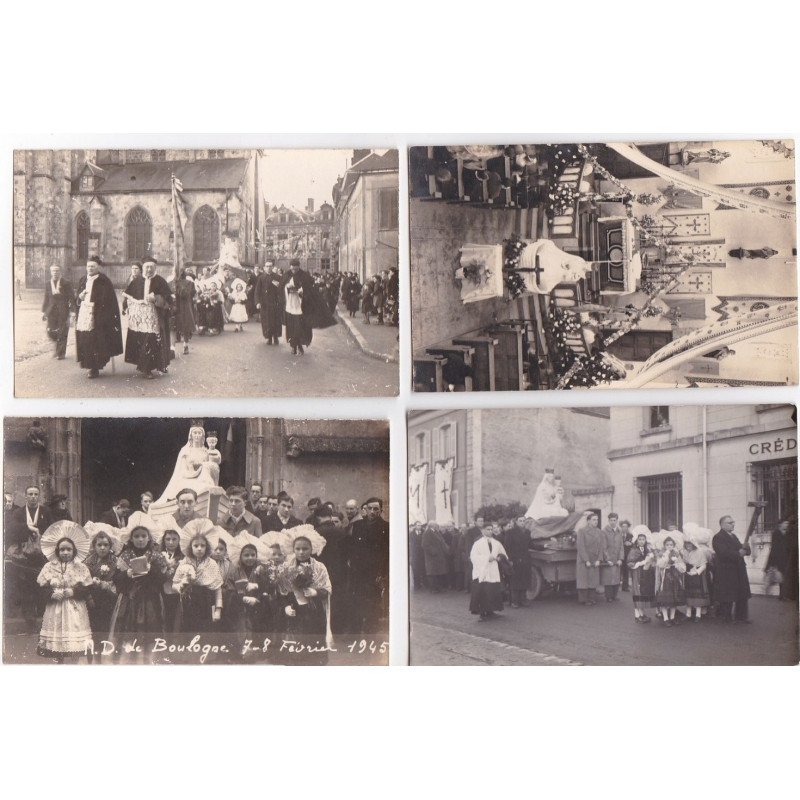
(69, 204)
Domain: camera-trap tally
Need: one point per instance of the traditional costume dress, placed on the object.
(695, 580)
(198, 583)
(248, 619)
(641, 568)
(670, 569)
(147, 344)
(308, 617)
(486, 596)
(102, 593)
(65, 626)
(170, 596)
(238, 296)
(139, 611)
(591, 547)
(98, 330)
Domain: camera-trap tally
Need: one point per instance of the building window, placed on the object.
(82, 229)
(216, 154)
(138, 234)
(158, 155)
(422, 453)
(662, 500)
(205, 227)
(325, 263)
(445, 444)
(388, 209)
(658, 417)
(775, 482)
(87, 183)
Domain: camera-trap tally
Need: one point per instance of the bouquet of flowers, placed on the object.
(561, 198)
(302, 576)
(512, 249)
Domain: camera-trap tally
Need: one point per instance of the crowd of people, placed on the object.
(377, 297)
(683, 575)
(258, 572)
(289, 304)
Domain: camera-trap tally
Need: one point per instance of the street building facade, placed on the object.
(306, 234)
(499, 457)
(676, 464)
(366, 201)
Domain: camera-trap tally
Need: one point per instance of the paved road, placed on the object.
(230, 365)
(557, 630)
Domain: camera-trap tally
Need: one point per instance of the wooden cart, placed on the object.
(552, 568)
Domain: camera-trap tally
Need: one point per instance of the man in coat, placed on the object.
(268, 298)
(98, 330)
(23, 555)
(436, 552)
(240, 519)
(59, 303)
(517, 542)
(613, 557)
(283, 517)
(186, 499)
(147, 344)
(731, 584)
(117, 516)
(369, 568)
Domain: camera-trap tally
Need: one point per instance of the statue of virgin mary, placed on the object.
(193, 469)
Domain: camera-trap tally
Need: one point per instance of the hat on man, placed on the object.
(95, 260)
(295, 262)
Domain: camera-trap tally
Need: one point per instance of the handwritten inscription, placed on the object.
(198, 649)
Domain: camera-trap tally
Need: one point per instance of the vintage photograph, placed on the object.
(205, 273)
(657, 535)
(188, 541)
(622, 265)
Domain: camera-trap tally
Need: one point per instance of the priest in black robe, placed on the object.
(147, 344)
(369, 569)
(268, 296)
(98, 330)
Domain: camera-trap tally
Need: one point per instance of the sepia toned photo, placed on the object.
(205, 273)
(617, 265)
(642, 535)
(189, 541)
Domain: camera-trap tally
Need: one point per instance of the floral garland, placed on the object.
(628, 198)
(512, 249)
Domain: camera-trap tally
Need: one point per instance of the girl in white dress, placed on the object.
(65, 583)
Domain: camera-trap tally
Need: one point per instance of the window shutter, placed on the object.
(453, 443)
(435, 451)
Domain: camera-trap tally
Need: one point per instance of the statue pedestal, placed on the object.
(213, 503)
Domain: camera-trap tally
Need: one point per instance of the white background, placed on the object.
(89, 74)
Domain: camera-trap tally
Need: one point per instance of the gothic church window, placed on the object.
(138, 234)
(206, 234)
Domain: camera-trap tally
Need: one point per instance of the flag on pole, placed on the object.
(179, 220)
